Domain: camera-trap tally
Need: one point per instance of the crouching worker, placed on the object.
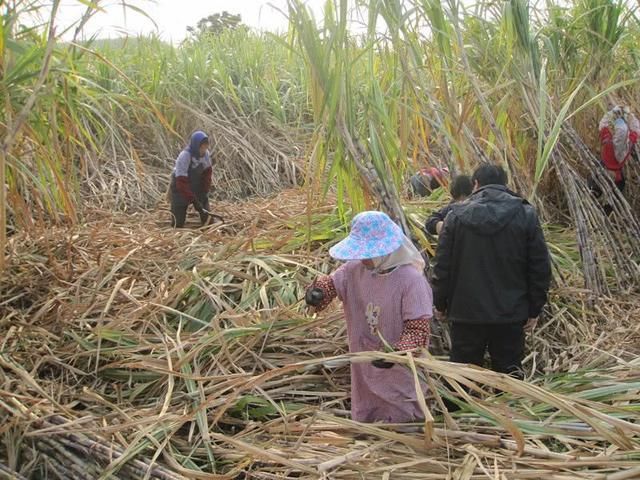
(384, 294)
(191, 180)
(619, 131)
(461, 188)
(426, 180)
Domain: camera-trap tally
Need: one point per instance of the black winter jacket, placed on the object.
(492, 263)
(438, 216)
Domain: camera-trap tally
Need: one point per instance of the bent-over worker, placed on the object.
(191, 180)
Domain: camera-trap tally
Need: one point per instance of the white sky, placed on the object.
(173, 16)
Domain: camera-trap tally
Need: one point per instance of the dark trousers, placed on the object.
(504, 341)
(179, 214)
(180, 204)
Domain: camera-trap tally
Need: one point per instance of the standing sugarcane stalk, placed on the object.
(593, 227)
(487, 114)
(14, 129)
(386, 194)
(590, 265)
(333, 105)
(3, 210)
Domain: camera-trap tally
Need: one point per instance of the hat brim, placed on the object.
(354, 249)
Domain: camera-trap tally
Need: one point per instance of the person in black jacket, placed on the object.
(461, 188)
(492, 273)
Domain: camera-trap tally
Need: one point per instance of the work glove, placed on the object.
(379, 363)
(314, 296)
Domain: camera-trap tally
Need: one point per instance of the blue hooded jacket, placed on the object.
(196, 140)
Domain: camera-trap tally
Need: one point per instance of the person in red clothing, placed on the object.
(619, 130)
(425, 180)
(191, 180)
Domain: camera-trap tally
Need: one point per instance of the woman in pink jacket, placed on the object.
(385, 295)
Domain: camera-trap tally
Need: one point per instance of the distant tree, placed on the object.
(215, 24)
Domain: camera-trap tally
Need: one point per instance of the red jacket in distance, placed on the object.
(440, 174)
(615, 150)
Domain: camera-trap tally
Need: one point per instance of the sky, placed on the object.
(173, 16)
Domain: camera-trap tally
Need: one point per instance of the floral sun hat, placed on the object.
(373, 235)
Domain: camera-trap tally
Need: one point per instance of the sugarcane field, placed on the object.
(382, 239)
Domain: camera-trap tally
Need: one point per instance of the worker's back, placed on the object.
(494, 256)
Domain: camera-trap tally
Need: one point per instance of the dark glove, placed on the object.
(381, 363)
(198, 206)
(314, 296)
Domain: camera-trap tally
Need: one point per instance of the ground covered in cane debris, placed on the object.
(129, 350)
